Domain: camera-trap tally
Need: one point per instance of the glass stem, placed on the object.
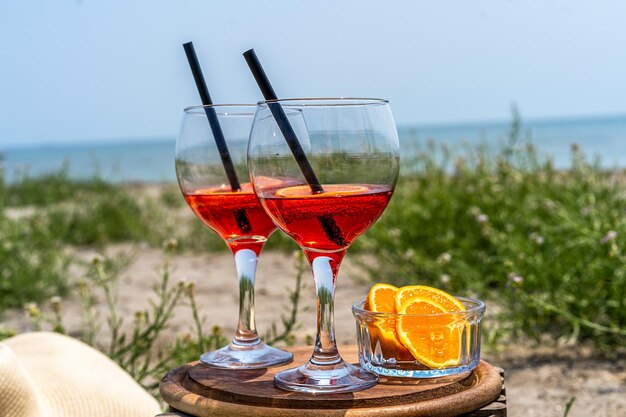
(324, 272)
(245, 263)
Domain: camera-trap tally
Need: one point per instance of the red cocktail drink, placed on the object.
(236, 216)
(301, 214)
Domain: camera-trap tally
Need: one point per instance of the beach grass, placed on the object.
(147, 349)
(545, 246)
(32, 266)
(94, 219)
(52, 188)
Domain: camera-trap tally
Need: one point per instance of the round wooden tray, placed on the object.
(209, 392)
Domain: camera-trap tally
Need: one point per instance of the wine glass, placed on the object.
(324, 170)
(213, 177)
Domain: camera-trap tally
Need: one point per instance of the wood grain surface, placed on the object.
(208, 392)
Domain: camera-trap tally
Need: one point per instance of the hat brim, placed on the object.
(65, 378)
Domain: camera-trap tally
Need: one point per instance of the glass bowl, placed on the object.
(446, 345)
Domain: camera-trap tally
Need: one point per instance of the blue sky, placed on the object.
(81, 70)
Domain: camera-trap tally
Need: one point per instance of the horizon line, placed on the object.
(56, 142)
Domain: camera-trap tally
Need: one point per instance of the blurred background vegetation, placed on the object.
(544, 247)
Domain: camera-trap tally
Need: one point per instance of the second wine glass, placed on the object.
(213, 177)
(324, 170)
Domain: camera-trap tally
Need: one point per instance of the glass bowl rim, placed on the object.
(299, 102)
(479, 308)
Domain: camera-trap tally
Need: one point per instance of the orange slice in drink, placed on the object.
(330, 190)
(246, 187)
(433, 338)
(269, 182)
(381, 299)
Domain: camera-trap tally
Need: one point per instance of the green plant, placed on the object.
(544, 245)
(5, 334)
(568, 406)
(90, 211)
(274, 336)
(146, 350)
(52, 188)
(142, 351)
(171, 197)
(32, 265)
(107, 218)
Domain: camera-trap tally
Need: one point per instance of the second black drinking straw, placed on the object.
(331, 229)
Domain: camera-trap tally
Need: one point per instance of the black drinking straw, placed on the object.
(212, 116)
(242, 219)
(282, 121)
(331, 229)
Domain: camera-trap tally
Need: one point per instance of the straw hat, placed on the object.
(50, 375)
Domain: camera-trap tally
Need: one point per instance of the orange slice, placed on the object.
(224, 189)
(381, 299)
(246, 187)
(268, 182)
(429, 295)
(433, 339)
(329, 190)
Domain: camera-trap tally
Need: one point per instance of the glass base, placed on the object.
(315, 379)
(255, 356)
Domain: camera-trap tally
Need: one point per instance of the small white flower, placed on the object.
(516, 279)
(549, 204)
(409, 253)
(444, 258)
(57, 304)
(97, 259)
(189, 287)
(140, 317)
(537, 238)
(482, 218)
(32, 310)
(394, 233)
(610, 236)
(445, 279)
(170, 244)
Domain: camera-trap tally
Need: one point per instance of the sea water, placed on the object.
(152, 160)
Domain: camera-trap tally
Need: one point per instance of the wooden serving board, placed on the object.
(209, 392)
